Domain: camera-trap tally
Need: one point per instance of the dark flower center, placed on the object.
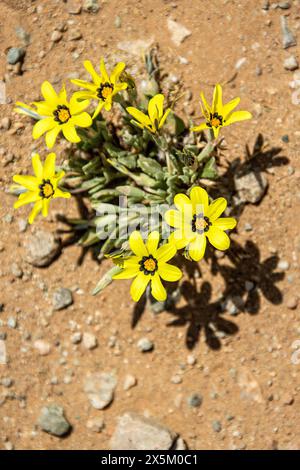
(200, 224)
(46, 189)
(105, 90)
(215, 120)
(148, 265)
(62, 114)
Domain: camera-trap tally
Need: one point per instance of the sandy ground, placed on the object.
(246, 372)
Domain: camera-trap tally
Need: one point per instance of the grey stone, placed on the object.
(16, 270)
(74, 7)
(53, 421)
(217, 426)
(291, 63)
(42, 248)
(23, 35)
(91, 6)
(15, 55)
(288, 38)
(195, 400)
(251, 187)
(100, 387)
(284, 5)
(145, 345)
(62, 298)
(135, 432)
(56, 36)
(12, 322)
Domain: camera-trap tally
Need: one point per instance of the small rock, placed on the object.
(145, 345)
(283, 265)
(56, 36)
(292, 302)
(250, 388)
(217, 426)
(52, 420)
(191, 360)
(251, 187)
(239, 64)
(9, 445)
(135, 432)
(195, 400)
(74, 35)
(118, 22)
(288, 38)
(178, 32)
(176, 379)
(74, 7)
(179, 444)
(12, 322)
(62, 298)
(76, 337)
(100, 387)
(15, 55)
(284, 5)
(3, 356)
(5, 123)
(23, 224)
(16, 270)
(291, 63)
(42, 248)
(285, 138)
(95, 424)
(23, 35)
(89, 341)
(287, 399)
(129, 382)
(91, 6)
(7, 382)
(43, 347)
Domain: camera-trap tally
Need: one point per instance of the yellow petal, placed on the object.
(168, 272)
(199, 198)
(117, 72)
(138, 286)
(216, 208)
(26, 198)
(28, 182)
(137, 245)
(166, 252)
(76, 107)
(218, 238)
(85, 95)
(155, 108)
(229, 107)
(152, 242)
(43, 126)
(82, 120)
(216, 131)
(49, 166)
(139, 116)
(49, 93)
(196, 248)
(183, 203)
(127, 273)
(217, 100)
(237, 116)
(104, 74)
(60, 193)
(84, 84)
(70, 133)
(174, 218)
(179, 239)
(163, 119)
(200, 128)
(225, 223)
(89, 67)
(37, 166)
(62, 96)
(206, 105)
(36, 209)
(43, 108)
(52, 135)
(157, 289)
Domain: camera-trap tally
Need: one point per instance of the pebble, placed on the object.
(76, 337)
(292, 302)
(145, 345)
(7, 382)
(288, 38)
(5, 123)
(195, 400)
(291, 63)
(176, 379)
(53, 421)
(74, 35)
(129, 382)
(95, 424)
(284, 5)
(91, 6)
(62, 298)
(16, 270)
(178, 32)
(191, 360)
(56, 36)
(217, 426)
(100, 387)
(43, 347)
(89, 341)
(23, 35)
(22, 224)
(251, 187)
(74, 7)
(283, 265)
(15, 55)
(42, 248)
(12, 322)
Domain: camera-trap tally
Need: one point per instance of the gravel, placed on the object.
(145, 345)
(43, 347)
(89, 341)
(288, 38)
(100, 387)
(62, 298)
(195, 400)
(178, 32)
(216, 426)
(15, 55)
(251, 187)
(129, 382)
(42, 248)
(291, 63)
(91, 6)
(53, 421)
(95, 424)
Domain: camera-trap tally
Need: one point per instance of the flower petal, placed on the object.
(225, 223)
(216, 131)
(218, 238)
(49, 166)
(216, 208)
(51, 136)
(70, 133)
(179, 239)
(84, 84)
(155, 108)
(168, 272)
(82, 120)
(166, 252)
(206, 105)
(199, 198)
(104, 74)
(157, 289)
(26, 198)
(28, 182)
(37, 166)
(197, 247)
(60, 193)
(117, 72)
(98, 109)
(174, 218)
(76, 107)
(200, 128)
(217, 100)
(163, 119)
(89, 67)
(137, 244)
(229, 107)
(183, 203)
(127, 273)
(138, 115)
(49, 93)
(36, 209)
(152, 242)
(237, 116)
(43, 126)
(138, 286)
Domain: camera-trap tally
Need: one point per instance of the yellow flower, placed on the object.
(57, 114)
(156, 116)
(219, 115)
(103, 88)
(195, 220)
(149, 264)
(40, 188)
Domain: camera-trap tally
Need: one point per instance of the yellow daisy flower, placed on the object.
(103, 88)
(57, 114)
(195, 220)
(218, 115)
(149, 264)
(40, 188)
(156, 116)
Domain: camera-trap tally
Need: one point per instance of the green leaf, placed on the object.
(106, 279)
(210, 170)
